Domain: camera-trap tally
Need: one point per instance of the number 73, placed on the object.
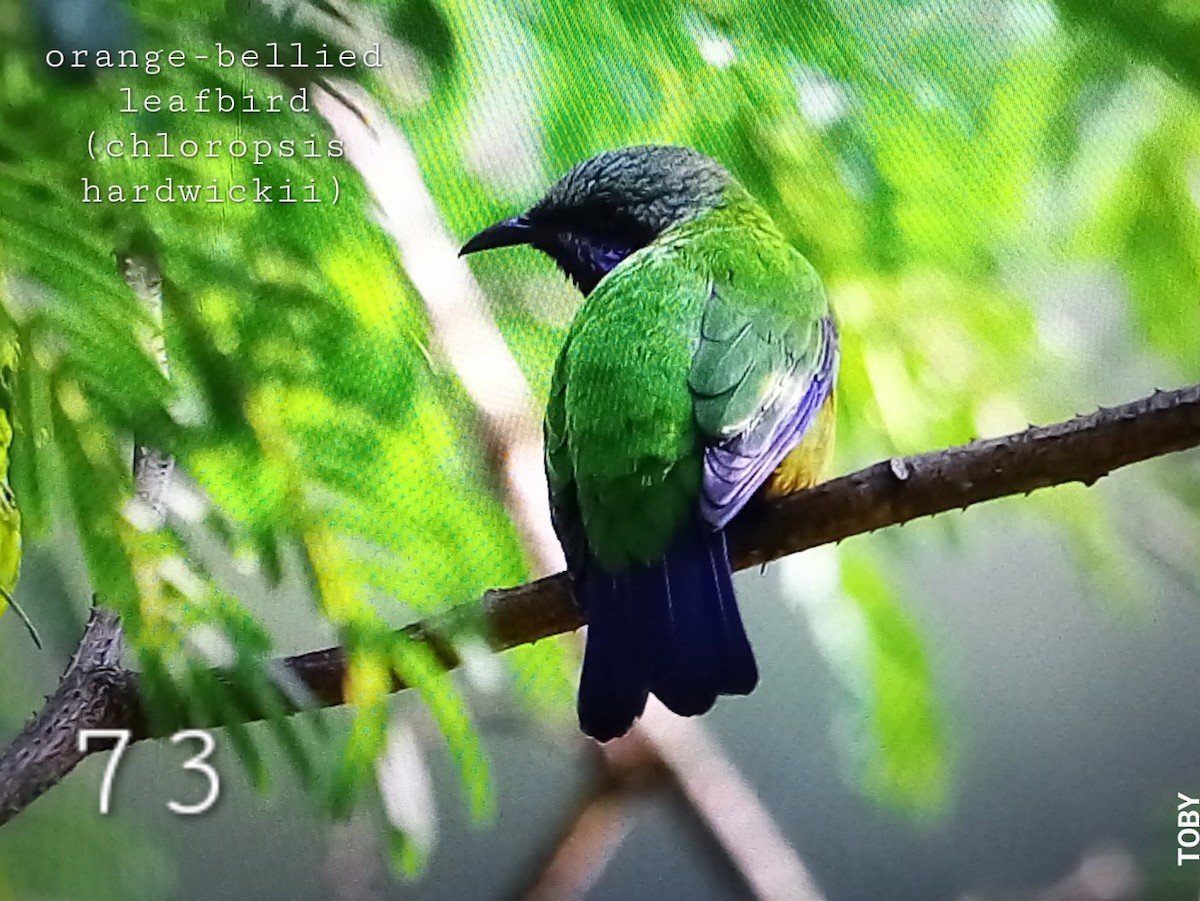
(199, 763)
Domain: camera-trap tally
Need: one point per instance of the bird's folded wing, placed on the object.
(760, 374)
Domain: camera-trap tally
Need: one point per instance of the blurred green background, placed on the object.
(1004, 201)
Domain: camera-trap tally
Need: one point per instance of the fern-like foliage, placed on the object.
(301, 402)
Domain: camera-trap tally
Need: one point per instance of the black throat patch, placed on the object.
(584, 259)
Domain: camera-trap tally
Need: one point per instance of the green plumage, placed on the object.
(685, 342)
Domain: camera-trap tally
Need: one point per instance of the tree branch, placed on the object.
(94, 693)
(890, 492)
(600, 820)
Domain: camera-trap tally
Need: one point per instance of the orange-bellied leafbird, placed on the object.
(698, 372)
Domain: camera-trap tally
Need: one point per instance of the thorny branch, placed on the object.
(890, 492)
(95, 689)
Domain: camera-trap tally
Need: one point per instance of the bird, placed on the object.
(697, 376)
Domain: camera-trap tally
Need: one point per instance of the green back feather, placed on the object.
(688, 340)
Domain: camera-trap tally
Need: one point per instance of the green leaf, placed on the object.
(891, 726)
(417, 666)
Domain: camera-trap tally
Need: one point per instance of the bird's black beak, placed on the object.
(510, 232)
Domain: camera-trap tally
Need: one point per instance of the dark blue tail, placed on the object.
(671, 628)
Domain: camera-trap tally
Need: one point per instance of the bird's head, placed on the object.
(607, 207)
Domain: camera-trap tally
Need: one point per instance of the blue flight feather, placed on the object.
(671, 628)
(736, 468)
